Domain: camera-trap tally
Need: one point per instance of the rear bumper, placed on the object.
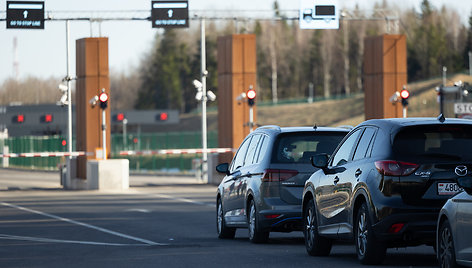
(418, 229)
(287, 221)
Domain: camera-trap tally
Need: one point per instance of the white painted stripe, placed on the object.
(25, 6)
(49, 240)
(170, 5)
(185, 200)
(83, 224)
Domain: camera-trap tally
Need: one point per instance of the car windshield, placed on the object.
(300, 147)
(444, 142)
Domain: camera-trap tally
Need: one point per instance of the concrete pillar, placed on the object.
(237, 71)
(92, 75)
(385, 72)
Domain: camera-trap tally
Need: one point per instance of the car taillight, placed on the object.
(273, 175)
(395, 168)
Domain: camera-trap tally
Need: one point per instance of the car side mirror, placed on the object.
(320, 161)
(223, 168)
(466, 184)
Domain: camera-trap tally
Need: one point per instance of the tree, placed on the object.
(165, 75)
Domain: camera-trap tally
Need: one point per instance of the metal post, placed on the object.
(104, 134)
(125, 139)
(251, 118)
(69, 93)
(405, 111)
(470, 63)
(310, 92)
(204, 100)
(444, 75)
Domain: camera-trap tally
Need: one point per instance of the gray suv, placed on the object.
(263, 186)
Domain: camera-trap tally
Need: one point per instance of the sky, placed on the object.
(42, 53)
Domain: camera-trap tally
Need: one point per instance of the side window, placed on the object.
(343, 154)
(252, 150)
(364, 143)
(238, 160)
(261, 151)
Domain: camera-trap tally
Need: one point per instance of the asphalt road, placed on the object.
(159, 222)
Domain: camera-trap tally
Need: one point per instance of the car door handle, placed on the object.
(358, 173)
(336, 180)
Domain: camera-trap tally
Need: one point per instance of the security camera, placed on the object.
(63, 87)
(198, 85)
(211, 95)
(93, 100)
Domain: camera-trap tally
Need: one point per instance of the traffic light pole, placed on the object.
(69, 93)
(251, 118)
(204, 100)
(104, 134)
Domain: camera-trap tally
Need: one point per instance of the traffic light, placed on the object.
(251, 97)
(162, 117)
(404, 94)
(103, 98)
(19, 118)
(120, 117)
(47, 118)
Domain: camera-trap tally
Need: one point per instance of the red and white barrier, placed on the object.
(177, 151)
(147, 152)
(45, 154)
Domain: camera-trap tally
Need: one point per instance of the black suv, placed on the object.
(385, 184)
(263, 186)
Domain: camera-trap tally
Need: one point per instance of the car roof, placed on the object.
(414, 121)
(272, 129)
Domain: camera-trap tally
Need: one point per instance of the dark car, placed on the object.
(263, 186)
(385, 184)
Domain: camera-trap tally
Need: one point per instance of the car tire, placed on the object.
(256, 235)
(369, 250)
(446, 252)
(221, 229)
(315, 244)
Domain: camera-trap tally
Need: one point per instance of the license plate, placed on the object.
(448, 188)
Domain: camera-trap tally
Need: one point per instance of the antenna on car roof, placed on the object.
(441, 118)
(315, 127)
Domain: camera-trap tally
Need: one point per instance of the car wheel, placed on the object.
(255, 233)
(446, 253)
(369, 250)
(315, 244)
(222, 230)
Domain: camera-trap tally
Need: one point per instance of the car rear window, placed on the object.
(299, 147)
(448, 142)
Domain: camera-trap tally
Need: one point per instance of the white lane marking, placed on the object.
(186, 200)
(49, 240)
(84, 225)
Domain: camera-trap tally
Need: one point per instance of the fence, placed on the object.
(134, 142)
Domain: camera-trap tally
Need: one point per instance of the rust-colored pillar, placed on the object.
(385, 72)
(236, 73)
(92, 76)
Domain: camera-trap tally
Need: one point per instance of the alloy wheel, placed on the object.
(446, 247)
(362, 233)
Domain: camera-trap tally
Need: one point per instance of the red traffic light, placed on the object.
(103, 97)
(404, 94)
(20, 118)
(64, 142)
(251, 94)
(163, 116)
(48, 118)
(120, 117)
